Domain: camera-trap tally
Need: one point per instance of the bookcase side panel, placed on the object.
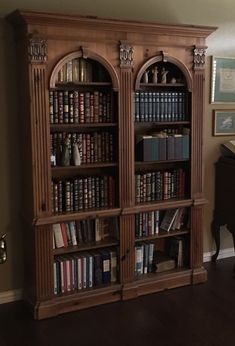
(126, 149)
(40, 139)
(44, 263)
(197, 130)
(127, 248)
(196, 257)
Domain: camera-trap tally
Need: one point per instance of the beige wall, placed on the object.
(221, 43)
(11, 272)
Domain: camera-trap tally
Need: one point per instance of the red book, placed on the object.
(64, 234)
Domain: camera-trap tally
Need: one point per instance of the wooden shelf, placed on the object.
(75, 85)
(78, 126)
(73, 170)
(158, 205)
(139, 164)
(161, 234)
(160, 123)
(91, 213)
(162, 85)
(109, 242)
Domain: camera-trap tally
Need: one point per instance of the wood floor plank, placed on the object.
(201, 315)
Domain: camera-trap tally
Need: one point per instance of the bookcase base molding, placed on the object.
(79, 301)
(111, 125)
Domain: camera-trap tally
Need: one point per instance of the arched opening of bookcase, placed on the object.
(87, 56)
(164, 60)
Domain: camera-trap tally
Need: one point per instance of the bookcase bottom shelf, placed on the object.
(76, 301)
(116, 292)
(166, 280)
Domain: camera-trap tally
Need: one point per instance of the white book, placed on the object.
(59, 242)
(156, 221)
(55, 279)
(79, 272)
(68, 273)
(150, 260)
(91, 270)
(62, 275)
(84, 271)
(168, 219)
(139, 256)
(98, 235)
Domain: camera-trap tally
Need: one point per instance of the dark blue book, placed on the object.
(106, 266)
(97, 268)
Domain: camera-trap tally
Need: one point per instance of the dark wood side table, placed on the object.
(224, 211)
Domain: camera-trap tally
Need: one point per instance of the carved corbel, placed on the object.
(37, 49)
(126, 54)
(199, 58)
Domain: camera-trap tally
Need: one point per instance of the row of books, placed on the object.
(147, 223)
(76, 70)
(82, 70)
(148, 259)
(83, 193)
(74, 107)
(85, 270)
(95, 147)
(150, 223)
(161, 146)
(160, 185)
(144, 258)
(160, 106)
(78, 232)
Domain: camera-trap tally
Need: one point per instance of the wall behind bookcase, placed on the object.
(11, 272)
(219, 43)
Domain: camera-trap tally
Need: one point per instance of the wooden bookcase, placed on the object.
(89, 86)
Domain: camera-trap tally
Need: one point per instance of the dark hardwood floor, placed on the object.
(201, 315)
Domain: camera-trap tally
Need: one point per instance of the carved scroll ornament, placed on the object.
(37, 49)
(126, 55)
(199, 58)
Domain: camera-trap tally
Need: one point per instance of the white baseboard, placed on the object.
(14, 295)
(225, 253)
(11, 296)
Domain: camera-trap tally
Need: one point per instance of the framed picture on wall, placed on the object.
(222, 80)
(224, 122)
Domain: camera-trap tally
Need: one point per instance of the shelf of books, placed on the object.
(84, 162)
(162, 172)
